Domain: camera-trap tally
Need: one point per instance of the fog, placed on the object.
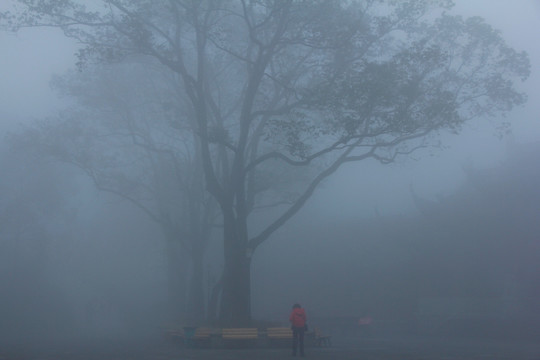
(439, 243)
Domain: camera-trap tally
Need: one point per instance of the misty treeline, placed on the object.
(72, 261)
(206, 115)
(465, 264)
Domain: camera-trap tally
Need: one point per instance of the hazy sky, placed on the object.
(28, 59)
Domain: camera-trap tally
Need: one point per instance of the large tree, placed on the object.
(298, 82)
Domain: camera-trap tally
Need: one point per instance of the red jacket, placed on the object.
(298, 317)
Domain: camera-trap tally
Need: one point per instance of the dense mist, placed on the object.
(209, 164)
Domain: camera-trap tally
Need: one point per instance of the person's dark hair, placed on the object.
(296, 306)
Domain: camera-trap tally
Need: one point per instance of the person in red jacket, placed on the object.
(298, 325)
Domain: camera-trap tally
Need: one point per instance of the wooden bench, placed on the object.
(240, 336)
(239, 333)
(201, 337)
(279, 333)
(279, 336)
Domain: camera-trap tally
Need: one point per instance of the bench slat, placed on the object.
(241, 336)
(279, 333)
(239, 333)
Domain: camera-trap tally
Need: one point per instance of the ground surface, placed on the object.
(374, 349)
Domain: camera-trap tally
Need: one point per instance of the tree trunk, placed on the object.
(236, 297)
